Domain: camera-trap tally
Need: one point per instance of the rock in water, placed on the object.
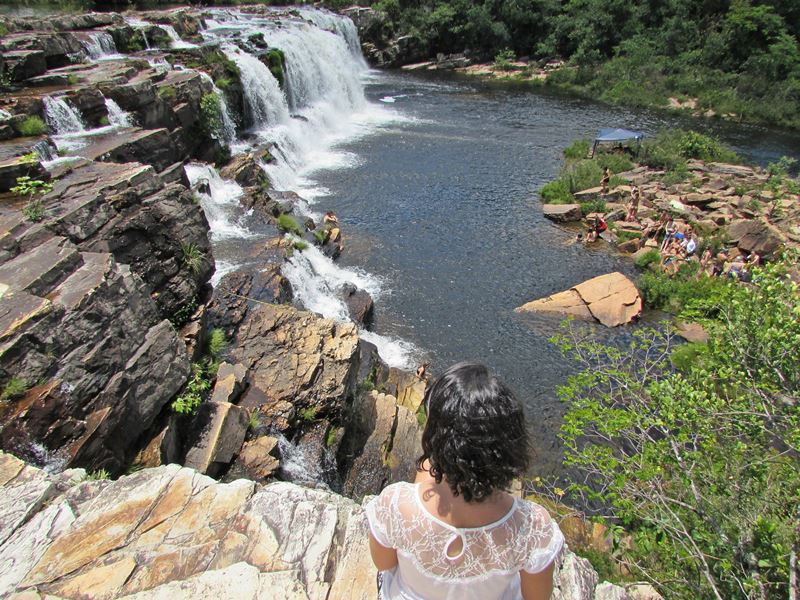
(611, 299)
(562, 213)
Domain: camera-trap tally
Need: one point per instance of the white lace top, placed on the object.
(491, 557)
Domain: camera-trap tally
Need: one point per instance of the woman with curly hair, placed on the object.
(456, 533)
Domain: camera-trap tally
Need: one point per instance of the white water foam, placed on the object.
(61, 117)
(219, 203)
(175, 40)
(116, 116)
(100, 46)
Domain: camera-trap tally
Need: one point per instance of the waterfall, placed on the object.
(5, 115)
(341, 26)
(176, 42)
(264, 100)
(61, 117)
(100, 45)
(219, 198)
(44, 151)
(117, 116)
(318, 282)
(323, 105)
(228, 126)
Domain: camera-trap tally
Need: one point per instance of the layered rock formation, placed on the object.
(611, 299)
(172, 533)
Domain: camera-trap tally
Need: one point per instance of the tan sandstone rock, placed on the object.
(611, 299)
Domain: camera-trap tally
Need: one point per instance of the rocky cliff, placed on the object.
(171, 532)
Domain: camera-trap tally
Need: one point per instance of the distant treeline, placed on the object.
(735, 56)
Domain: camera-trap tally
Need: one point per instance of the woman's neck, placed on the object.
(440, 501)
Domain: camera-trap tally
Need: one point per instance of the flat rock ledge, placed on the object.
(171, 532)
(611, 299)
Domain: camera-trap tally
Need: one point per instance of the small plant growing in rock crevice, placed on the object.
(194, 393)
(193, 257)
(15, 388)
(300, 245)
(27, 186)
(99, 475)
(32, 126)
(253, 420)
(288, 224)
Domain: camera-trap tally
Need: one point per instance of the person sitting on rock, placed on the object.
(456, 532)
(599, 225)
(330, 218)
(604, 181)
(422, 371)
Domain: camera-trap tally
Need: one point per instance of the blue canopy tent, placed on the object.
(609, 136)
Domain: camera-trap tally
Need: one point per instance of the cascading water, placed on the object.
(220, 199)
(264, 101)
(116, 116)
(100, 45)
(175, 40)
(322, 104)
(342, 27)
(61, 117)
(44, 151)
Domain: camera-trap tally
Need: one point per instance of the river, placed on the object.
(442, 206)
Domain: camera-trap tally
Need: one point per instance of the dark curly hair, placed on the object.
(475, 437)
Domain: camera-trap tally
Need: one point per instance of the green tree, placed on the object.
(702, 465)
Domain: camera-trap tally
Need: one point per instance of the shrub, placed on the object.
(685, 294)
(211, 116)
(556, 192)
(593, 206)
(288, 224)
(34, 210)
(503, 60)
(578, 150)
(648, 258)
(31, 126)
(321, 236)
(195, 391)
(300, 245)
(698, 464)
(216, 343)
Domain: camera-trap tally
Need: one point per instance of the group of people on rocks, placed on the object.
(675, 240)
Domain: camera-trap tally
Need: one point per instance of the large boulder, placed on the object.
(217, 436)
(296, 357)
(611, 299)
(359, 304)
(755, 235)
(380, 445)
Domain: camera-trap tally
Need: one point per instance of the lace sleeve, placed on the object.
(379, 516)
(546, 541)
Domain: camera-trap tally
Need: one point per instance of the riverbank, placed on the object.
(733, 62)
